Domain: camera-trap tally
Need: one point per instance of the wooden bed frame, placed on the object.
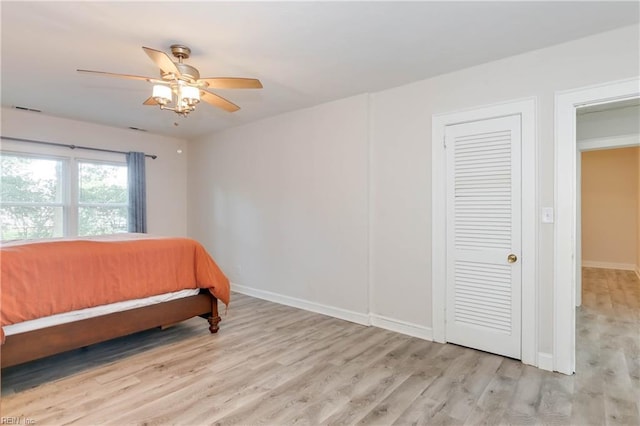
(31, 345)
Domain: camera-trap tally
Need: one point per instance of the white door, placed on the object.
(484, 235)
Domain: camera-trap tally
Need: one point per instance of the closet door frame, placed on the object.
(526, 108)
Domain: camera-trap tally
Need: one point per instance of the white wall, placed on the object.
(401, 166)
(282, 203)
(166, 175)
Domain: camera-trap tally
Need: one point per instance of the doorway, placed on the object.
(601, 131)
(607, 322)
(566, 233)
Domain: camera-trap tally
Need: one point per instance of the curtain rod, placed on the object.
(71, 146)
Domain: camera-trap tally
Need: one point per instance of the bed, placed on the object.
(63, 294)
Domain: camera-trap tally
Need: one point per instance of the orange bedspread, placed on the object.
(46, 278)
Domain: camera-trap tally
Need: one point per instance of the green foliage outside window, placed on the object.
(102, 199)
(31, 198)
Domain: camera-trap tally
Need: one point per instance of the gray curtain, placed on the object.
(137, 192)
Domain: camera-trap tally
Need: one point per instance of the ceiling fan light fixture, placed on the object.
(190, 95)
(162, 94)
(180, 84)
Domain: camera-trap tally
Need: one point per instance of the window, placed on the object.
(45, 197)
(32, 197)
(102, 198)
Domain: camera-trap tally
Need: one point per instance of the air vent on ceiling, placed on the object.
(26, 109)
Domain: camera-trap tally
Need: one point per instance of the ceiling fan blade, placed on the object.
(162, 60)
(218, 101)
(232, 83)
(128, 76)
(150, 101)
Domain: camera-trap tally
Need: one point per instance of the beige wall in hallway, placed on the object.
(638, 239)
(610, 207)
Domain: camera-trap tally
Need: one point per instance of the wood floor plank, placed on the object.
(425, 411)
(494, 400)
(392, 407)
(334, 394)
(556, 399)
(365, 394)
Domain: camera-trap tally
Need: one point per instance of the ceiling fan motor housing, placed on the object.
(180, 51)
(188, 73)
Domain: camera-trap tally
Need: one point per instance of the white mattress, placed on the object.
(123, 236)
(94, 312)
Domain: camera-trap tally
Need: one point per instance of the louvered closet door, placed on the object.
(483, 230)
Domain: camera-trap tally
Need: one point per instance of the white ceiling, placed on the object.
(305, 53)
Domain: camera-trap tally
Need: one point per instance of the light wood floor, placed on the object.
(271, 364)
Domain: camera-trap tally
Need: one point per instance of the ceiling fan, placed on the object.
(180, 84)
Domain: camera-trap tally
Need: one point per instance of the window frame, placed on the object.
(70, 183)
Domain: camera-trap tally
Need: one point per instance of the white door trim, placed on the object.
(565, 233)
(527, 110)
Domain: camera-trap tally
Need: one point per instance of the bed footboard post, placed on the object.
(214, 319)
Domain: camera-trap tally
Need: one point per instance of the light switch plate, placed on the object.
(547, 215)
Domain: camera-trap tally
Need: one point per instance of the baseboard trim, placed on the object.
(398, 326)
(545, 361)
(608, 265)
(403, 327)
(332, 311)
